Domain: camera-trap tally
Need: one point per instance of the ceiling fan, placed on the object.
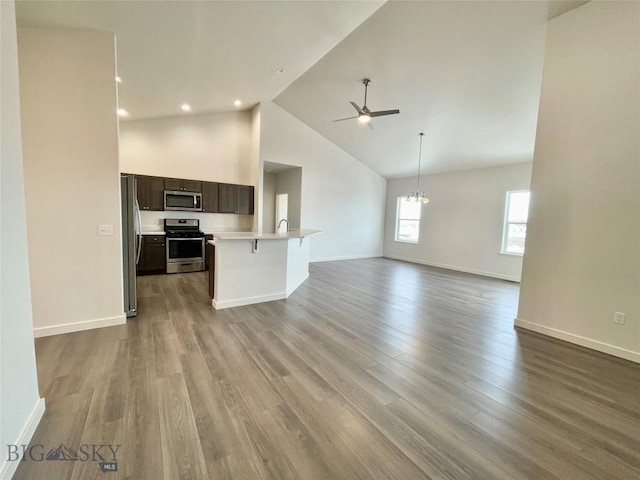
(364, 114)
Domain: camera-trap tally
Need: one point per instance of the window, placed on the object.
(407, 220)
(515, 222)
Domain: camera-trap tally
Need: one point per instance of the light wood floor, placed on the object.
(373, 369)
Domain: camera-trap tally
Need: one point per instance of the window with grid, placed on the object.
(407, 220)
(515, 222)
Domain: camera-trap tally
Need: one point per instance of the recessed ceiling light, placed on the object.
(280, 70)
(185, 107)
(237, 103)
(118, 79)
(122, 112)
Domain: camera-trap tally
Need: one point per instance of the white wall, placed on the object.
(290, 182)
(70, 140)
(582, 259)
(256, 168)
(461, 228)
(340, 195)
(213, 147)
(269, 203)
(20, 405)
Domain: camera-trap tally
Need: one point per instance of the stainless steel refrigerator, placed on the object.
(131, 241)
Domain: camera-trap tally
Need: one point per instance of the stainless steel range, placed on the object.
(185, 245)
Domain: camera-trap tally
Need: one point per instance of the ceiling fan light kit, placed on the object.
(364, 114)
(419, 196)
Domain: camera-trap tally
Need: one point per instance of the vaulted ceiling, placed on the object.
(467, 73)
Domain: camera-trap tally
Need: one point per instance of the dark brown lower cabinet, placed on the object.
(153, 255)
(211, 261)
(206, 257)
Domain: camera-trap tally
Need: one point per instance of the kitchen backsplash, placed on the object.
(209, 222)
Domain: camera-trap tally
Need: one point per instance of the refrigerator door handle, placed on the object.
(139, 232)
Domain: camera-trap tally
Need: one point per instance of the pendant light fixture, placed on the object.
(419, 196)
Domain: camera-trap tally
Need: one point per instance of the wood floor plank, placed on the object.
(373, 369)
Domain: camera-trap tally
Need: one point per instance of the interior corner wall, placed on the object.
(290, 182)
(340, 195)
(70, 141)
(20, 405)
(256, 168)
(462, 226)
(582, 260)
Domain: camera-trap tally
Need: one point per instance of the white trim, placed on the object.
(296, 284)
(7, 468)
(499, 276)
(239, 302)
(579, 340)
(345, 257)
(406, 241)
(79, 326)
(511, 254)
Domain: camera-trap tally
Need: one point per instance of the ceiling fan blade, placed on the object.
(381, 113)
(348, 118)
(358, 109)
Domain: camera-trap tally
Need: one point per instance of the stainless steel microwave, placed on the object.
(184, 201)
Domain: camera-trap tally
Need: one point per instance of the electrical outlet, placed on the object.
(105, 230)
(619, 318)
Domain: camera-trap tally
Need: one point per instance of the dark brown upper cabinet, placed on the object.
(150, 192)
(210, 197)
(226, 198)
(244, 199)
(235, 199)
(181, 185)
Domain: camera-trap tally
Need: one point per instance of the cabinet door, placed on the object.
(192, 186)
(211, 258)
(153, 256)
(244, 199)
(207, 245)
(181, 185)
(226, 198)
(209, 197)
(150, 192)
(173, 184)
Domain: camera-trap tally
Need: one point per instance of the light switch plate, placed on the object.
(105, 230)
(619, 318)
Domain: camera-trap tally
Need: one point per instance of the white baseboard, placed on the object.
(79, 326)
(296, 284)
(579, 340)
(239, 302)
(345, 257)
(499, 276)
(7, 468)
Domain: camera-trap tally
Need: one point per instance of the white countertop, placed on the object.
(302, 233)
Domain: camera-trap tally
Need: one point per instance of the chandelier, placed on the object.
(419, 196)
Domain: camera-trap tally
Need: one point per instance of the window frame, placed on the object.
(506, 223)
(399, 200)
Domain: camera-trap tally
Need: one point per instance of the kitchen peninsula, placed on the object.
(248, 268)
